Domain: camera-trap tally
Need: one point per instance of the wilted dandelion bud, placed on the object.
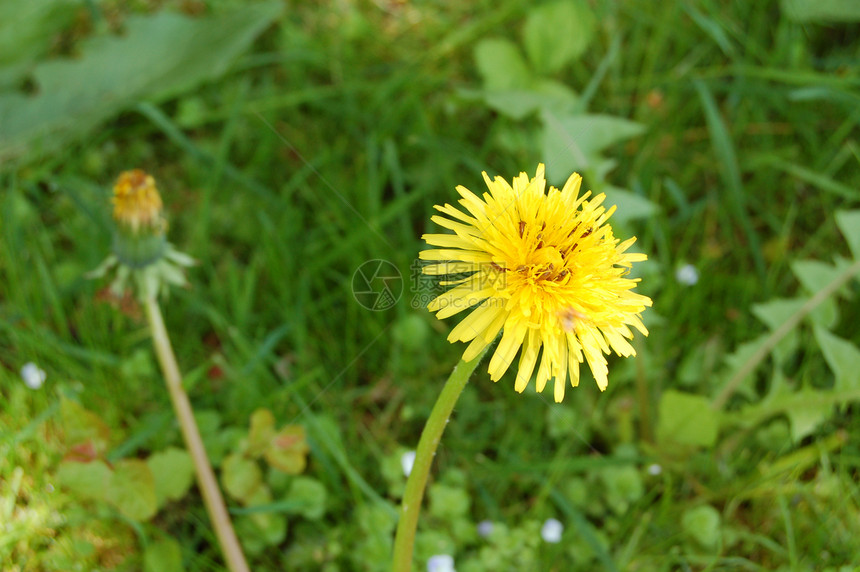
(140, 234)
(142, 259)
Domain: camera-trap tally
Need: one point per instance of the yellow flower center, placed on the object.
(136, 202)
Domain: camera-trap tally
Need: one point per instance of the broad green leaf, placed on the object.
(132, 490)
(159, 56)
(164, 555)
(686, 419)
(309, 496)
(573, 142)
(849, 224)
(28, 30)
(843, 357)
(86, 480)
(702, 523)
(821, 10)
(173, 471)
(501, 66)
(557, 32)
(630, 205)
(241, 477)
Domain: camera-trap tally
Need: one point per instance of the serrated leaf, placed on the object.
(132, 490)
(556, 33)
(158, 57)
(86, 480)
(164, 555)
(843, 357)
(173, 471)
(777, 311)
(814, 274)
(849, 224)
(501, 66)
(821, 10)
(736, 360)
(774, 313)
(288, 450)
(574, 142)
(519, 104)
(686, 419)
(240, 476)
(804, 410)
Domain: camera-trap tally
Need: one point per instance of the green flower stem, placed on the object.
(205, 477)
(404, 540)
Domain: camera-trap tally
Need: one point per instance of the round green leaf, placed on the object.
(173, 471)
(132, 489)
(87, 480)
(309, 495)
(240, 477)
(558, 32)
(703, 525)
(163, 556)
(500, 65)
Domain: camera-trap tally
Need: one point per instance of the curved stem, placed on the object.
(404, 539)
(205, 477)
(774, 338)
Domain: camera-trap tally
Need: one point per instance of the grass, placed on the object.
(325, 146)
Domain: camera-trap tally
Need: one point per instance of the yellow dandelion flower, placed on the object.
(544, 269)
(136, 202)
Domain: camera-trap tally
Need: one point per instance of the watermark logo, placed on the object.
(377, 285)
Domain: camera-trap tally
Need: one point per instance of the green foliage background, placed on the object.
(293, 142)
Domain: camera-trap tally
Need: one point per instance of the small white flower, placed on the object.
(485, 528)
(654, 469)
(687, 275)
(33, 375)
(551, 531)
(406, 461)
(441, 563)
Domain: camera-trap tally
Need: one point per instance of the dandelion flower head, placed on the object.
(544, 269)
(136, 202)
